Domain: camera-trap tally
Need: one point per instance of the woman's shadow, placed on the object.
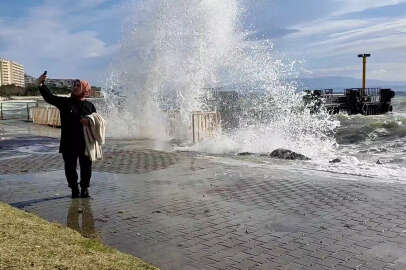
(80, 210)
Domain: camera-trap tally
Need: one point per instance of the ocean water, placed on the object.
(374, 145)
(172, 54)
(367, 146)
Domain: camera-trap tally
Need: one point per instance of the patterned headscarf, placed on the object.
(85, 89)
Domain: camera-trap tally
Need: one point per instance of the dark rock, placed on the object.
(336, 160)
(101, 220)
(245, 154)
(287, 154)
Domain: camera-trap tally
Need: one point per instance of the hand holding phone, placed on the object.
(42, 78)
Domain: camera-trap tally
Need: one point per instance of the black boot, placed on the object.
(84, 193)
(75, 192)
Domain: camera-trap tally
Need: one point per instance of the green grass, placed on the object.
(29, 242)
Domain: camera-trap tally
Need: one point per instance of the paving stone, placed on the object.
(185, 211)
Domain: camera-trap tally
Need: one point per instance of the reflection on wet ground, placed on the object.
(80, 217)
(79, 214)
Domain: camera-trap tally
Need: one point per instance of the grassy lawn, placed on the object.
(29, 242)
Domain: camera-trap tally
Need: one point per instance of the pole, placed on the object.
(1, 111)
(364, 72)
(28, 113)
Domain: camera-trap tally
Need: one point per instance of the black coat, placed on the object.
(71, 111)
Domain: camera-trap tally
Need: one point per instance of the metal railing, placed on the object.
(373, 94)
(16, 110)
(370, 94)
(22, 110)
(204, 124)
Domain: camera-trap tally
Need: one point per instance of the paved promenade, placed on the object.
(181, 210)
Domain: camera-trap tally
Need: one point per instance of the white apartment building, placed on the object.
(5, 76)
(11, 73)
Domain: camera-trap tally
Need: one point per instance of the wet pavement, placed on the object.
(186, 211)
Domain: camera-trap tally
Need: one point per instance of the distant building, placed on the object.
(11, 73)
(60, 82)
(63, 83)
(29, 79)
(96, 92)
(68, 83)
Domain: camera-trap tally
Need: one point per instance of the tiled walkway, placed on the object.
(185, 211)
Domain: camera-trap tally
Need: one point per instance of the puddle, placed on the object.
(80, 218)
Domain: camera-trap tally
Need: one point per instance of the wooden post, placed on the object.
(193, 128)
(199, 124)
(205, 125)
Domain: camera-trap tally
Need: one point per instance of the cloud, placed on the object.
(61, 39)
(71, 6)
(271, 33)
(336, 37)
(329, 44)
(386, 71)
(350, 6)
(79, 38)
(91, 3)
(326, 27)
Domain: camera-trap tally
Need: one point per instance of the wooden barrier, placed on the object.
(205, 125)
(54, 119)
(39, 115)
(174, 118)
(46, 116)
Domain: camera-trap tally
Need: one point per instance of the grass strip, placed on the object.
(29, 242)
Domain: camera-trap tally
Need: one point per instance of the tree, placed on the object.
(11, 90)
(31, 90)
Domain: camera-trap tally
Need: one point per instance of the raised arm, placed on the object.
(47, 95)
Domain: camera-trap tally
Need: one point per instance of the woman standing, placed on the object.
(73, 110)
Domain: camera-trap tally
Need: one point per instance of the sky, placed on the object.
(79, 39)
